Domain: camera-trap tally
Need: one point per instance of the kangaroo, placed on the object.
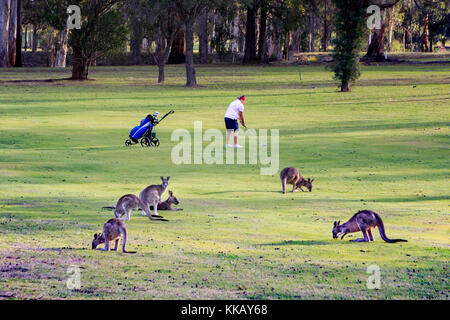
(362, 221)
(127, 203)
(292, 176)
(151, 196)
(167, 205)
(113, 230)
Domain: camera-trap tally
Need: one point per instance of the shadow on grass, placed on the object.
(413, 199)
(58, 249)
(295, 243)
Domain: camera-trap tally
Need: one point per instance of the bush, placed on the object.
(396, 46)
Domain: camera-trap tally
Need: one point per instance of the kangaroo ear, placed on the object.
(168, 177)
(334, 224)
(339, 222)
(95, 236)
(312, 180)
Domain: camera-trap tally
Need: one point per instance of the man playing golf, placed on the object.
(234, 112)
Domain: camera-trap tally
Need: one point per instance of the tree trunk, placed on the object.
(345, 87)
(4, 33)
(424, 38)
(286, 50)
(177, 52)
(262, 44)
(135, 42)
(250, 35)
(191, 80)
(411, 47)
(375, 51)
(241, 41)
(295, 44)
(391, 29)
(203, 36)
(235, 26)
(312, 31)
(325, 27)
(34, 44)
(404, 39)
(161, 76)
(277, 54)
(12, 33)
(80, 65)
(18, 62)
(61, 48)
(212, 19)
(25, 47)
(163, 44)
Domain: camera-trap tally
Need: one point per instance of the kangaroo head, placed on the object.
(337, 229)
(98, 239)
(306, 183)
(165, 182)
(172, 198)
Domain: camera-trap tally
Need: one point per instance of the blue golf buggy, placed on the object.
(144, 134)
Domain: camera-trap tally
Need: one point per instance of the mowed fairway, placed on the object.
(384, 146)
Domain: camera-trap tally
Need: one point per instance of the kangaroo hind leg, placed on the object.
(369, 232)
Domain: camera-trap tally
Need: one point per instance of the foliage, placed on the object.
(351, 28)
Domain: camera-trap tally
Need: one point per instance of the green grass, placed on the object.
(384, 146)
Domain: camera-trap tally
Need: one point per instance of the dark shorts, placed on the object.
(231, 124)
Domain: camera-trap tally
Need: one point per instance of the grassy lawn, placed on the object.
(384, 146)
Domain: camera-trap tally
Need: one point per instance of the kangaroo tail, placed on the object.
(123, 231)
(383, 233)
(146, 209)
(109, 208)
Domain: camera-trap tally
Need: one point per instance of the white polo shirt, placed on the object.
(233, 109)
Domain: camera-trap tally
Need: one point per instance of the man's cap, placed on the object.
(241, 98)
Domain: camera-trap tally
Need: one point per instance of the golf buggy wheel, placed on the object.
(128, 143)
(155, 142)
(145, 142)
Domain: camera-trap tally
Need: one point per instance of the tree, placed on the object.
(166, 25)
(263, 54)
(12, 41)
(224, 16)
(250, 34)
(433, 16)
(203, 36)
(286, 16)
(102, 32)
(33, 14)
(189, 10)
(326, 13)
(134, 11)
(10, 27)
(18, 60)
(375, 50)
(5, 10)
(350, 26)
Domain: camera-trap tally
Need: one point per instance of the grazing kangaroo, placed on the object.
(127, 203)
(363, 221)
(151, 196)
(113, 230)
(292, 176)
(167, 205)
